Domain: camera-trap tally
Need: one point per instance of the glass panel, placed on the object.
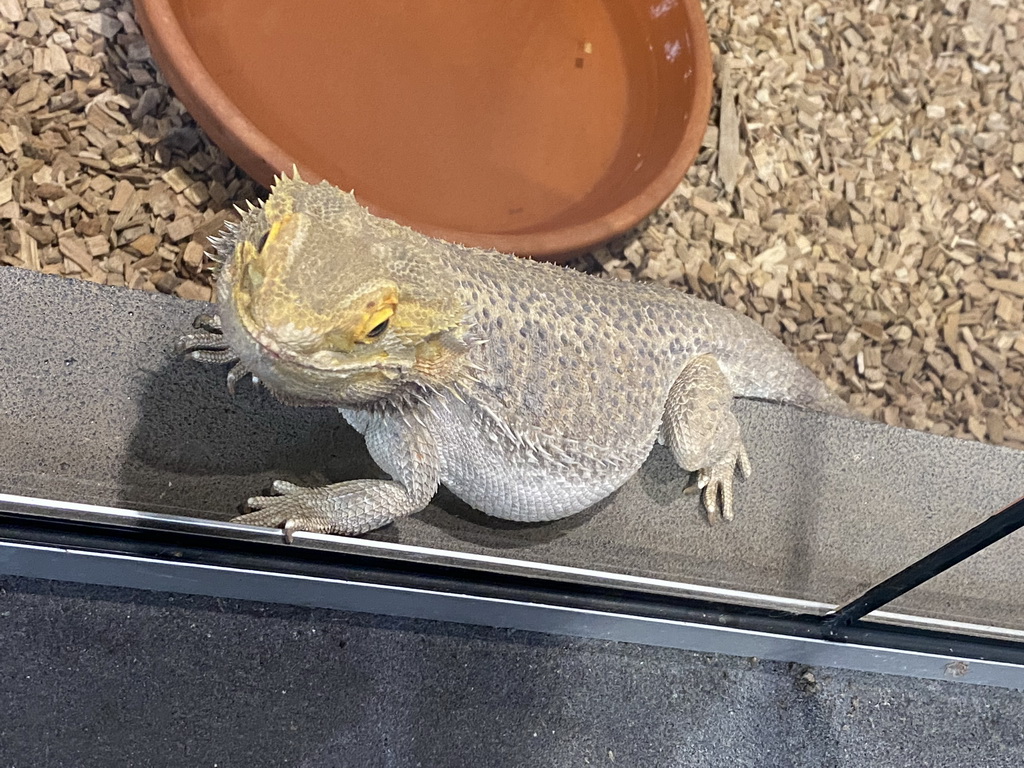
(985, 589)
(96, 409)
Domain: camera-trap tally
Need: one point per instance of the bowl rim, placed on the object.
(263, 158)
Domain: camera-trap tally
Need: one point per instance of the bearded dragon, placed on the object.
(529, 390)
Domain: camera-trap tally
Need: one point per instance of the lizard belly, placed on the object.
(513, 482)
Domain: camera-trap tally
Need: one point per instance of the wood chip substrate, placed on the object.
(859, 191)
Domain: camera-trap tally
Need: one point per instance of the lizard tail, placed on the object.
(761, 367)
(788, 381)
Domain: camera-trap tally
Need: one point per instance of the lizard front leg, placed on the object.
(208, 345)
(402, 447)
(701, 430)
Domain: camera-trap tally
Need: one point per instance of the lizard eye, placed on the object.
(377, 330)
(262, 241)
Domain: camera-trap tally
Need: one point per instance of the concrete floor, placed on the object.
(111, 677)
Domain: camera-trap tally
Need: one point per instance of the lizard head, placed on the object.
(322, 300)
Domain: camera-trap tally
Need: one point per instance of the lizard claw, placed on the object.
(236, 374)
(716, 483)
(198, 344)
(207, 321)
(289, 526)
(208, 345)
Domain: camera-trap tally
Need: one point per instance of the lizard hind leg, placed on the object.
(702, 432)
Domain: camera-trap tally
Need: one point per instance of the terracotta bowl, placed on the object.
(538, 127)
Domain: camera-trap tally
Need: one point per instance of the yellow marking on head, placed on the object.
(260, 296)
(251, 277)
(267, 266)
(286, 223)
